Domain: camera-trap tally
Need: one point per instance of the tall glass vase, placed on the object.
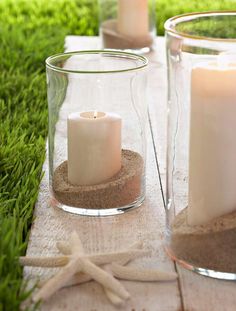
(201, 153)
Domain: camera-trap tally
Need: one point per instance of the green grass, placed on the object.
(31, 30)
(169, 8)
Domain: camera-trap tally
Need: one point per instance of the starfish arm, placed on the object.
(114, 299)
(79, 278)
(58, 281)
(64, 248)
(136, 245)
(124, 256)
(145, 275)
(99, 259)
(44, 261)
(76, 245)
(105, 279)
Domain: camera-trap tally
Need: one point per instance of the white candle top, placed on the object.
(89, 115)
(214, 79)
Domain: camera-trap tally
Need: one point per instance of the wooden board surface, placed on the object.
(104, 234)
(192, 292)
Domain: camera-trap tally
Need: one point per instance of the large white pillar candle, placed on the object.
(94, 147)
(212, 156)
(133, 18)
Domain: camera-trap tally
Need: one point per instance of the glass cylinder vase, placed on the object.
(201, 152)
(97, 131)
(127, 25)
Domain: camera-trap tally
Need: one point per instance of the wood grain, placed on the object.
(106, 234)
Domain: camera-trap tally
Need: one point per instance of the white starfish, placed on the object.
(79, 267)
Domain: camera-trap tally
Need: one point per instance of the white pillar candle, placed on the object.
(212, 157)
(133, 18)
(94, 147)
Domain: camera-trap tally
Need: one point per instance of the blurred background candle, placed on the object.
(94, 147)
(128, 24)
(212, 162)
(133, 18)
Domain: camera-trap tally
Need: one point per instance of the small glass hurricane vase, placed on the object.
(97, 131)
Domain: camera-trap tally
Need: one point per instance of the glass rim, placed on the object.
(114, 53)
(171, 23)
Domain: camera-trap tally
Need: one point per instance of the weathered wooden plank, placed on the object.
(199, 293)
(106, 234)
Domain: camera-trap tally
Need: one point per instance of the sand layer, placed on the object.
(121, 190)
(211, 246)
(112, 39)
